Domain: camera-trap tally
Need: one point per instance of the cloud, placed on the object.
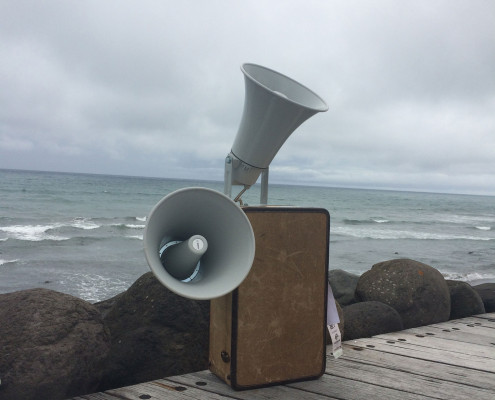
(154, 88)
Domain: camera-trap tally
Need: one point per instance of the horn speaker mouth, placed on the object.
(226, 228)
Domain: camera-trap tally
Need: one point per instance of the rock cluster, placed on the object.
(402, 293)
(54, 346)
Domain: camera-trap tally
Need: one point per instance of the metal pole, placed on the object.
(227, 179)
(264, 187)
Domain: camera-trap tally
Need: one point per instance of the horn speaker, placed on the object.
(199, 243)
(274, 106)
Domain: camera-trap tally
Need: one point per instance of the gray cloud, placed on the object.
(154, 88)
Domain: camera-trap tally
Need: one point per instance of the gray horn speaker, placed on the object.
(199, 243)
(274, 106)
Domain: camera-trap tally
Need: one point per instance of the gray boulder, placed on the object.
(464, 300)
(487, 294)
(417, 291)
(370, 318)
(155, 333)
(52, 345)
(343, 286)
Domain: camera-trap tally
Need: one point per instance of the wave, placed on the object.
(397, 234)
(84, 223)
(465, 219)
(142, 219)
(59, 231)
(483, 228)
(365, 221)
(34, 233)
(469, 276)
(138, 237)
(4, 262)
(134, 226)
(128, 226)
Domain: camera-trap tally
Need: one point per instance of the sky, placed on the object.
(154, 88)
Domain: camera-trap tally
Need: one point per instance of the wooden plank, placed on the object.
(430, 354)
(405, 380)
(95, 396)
(476, 321)
(449, 360)
(450, 373)
(210, 382)
(460, 334)
(349, 389)
(488, 316)
(162, 390)
(437, 343)
(468, 328)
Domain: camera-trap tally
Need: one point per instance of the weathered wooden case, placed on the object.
(272, 328)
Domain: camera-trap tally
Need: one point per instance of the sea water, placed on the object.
(83, 234)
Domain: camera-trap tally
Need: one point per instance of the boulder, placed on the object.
(105, 306)
(343, 285)
(52, 345)
(487, 294)
(370, 318)
(155, 333)
(464, 300)
(417, 291)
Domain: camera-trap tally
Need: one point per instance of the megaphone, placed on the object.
(274, 106)
(199, 243)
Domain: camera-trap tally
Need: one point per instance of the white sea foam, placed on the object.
(484, 228)
(469, 276)
(370, 233)
(139, 237)
(381, 221)
(4, 262)
(134, 226)
(83, 223)
(94, 287)
(142, 219)
(464, 219)
(34, 233)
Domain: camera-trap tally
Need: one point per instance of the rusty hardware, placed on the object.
(225, 356)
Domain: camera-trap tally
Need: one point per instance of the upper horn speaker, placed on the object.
(274, 106)
(199, 243)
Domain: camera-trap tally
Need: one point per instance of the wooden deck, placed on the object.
(450, 360)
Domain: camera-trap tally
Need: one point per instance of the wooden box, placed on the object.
(272, 328)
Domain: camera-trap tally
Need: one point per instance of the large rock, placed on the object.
(105, 306)
(343, 285)
(487, 293)
(155, 333)
(52, 345)
(417, 291)
(464, 300)
(370, 318)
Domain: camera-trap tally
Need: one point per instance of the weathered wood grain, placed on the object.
(450, 360)
(449, 373)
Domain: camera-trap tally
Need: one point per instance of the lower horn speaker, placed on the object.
(199, 243)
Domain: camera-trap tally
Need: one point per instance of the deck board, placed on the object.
(450, 360)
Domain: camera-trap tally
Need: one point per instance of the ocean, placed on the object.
(82, 234)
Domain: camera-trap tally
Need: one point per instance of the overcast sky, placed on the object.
(154, 88)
